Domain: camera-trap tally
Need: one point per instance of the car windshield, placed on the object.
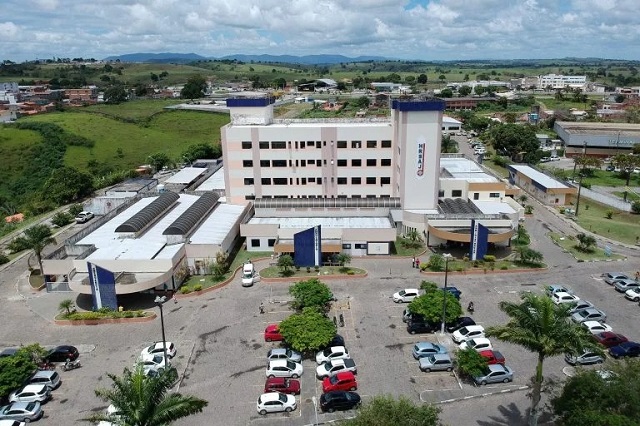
(432, 359)
(463, 330)
(333, 380)
(289, 353)
(584, 313)
(31, 406)
(291, 365)
(282, 397)
(402, 293)
(327, 352)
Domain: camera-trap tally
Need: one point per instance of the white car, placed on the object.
(467, 332)
(154, 362)
(406, 295)
(335, 352)
(596, 327)
(633, 294)
(275, 402)
(479, 344)
(333, 367)
(561, 297)
(157, 348)
(284, 368)
(31, 393)
(83, 217)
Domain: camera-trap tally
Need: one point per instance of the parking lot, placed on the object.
(222, 353)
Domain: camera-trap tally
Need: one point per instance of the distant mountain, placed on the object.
(165, 57)
(306, 60)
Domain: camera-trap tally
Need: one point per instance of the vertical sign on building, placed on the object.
(103, 287)
(421, 146)
(307, 247)
(479, 240)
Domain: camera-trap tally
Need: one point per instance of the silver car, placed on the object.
(589, 314)
(495, 373)
(624, 285)
(283, 353)
(611, 277)
(587, 357)
(21, 411)
(30, 393)
(436, 362)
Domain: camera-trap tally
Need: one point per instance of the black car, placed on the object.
(339, 400)
(414, 327)
(62, 353)
(459, 323)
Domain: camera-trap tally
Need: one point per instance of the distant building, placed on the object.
(466, 102)
(544, 188)
(84, 95)
(559, 81)
(10, 86)
(601, 139)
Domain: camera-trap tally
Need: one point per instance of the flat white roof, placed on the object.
(463, 168)
(186, 175)
(325, 222)
(450, 120)
(539, 177)
(150, 245)
(216, 227)
(216, 181)
(493, 207)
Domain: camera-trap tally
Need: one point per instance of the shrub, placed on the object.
(504, 267)
(308, 269)
(635, 207)
(562, 210)
(489, 258)
(476, 263)
(3, 259)
(424, 266)
(61, 219)
(436, 262)
(76, 316)
(197, 287)
(350, 272)
(528, 209)
(459, 269)
(185, 289)
(609, 214)
(317, 268)
(586, 185)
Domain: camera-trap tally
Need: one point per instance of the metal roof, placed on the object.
(457, 205)
(149, 214)
(193, 215)
(546, 181)
(186, 175)
(216, 181)
(325, 222)
(217, 226)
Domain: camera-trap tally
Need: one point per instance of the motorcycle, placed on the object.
(71, 365)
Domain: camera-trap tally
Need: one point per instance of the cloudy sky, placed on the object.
(403, 29)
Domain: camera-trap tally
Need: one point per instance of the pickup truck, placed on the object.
(336, 366)
(493, 357)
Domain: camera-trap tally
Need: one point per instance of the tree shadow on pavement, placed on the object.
(511, 415)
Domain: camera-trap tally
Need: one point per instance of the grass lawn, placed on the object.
(461, 265)
(400, 249)
(207, 280)
(605, 178)
(623, 226)
(135, 110)
(569, 244)
(498, 170)
(631, 196)
(274, 272)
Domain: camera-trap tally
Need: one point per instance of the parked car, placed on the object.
(611, 277)
(336, 366)
(633, 294)
(283, 353)
(345, 381)
(421, 327)
(453, 290)
(249, 274)
(62, 353)
(158, 348)
(580, 305)
(275, 402)
(339, 400)
(624, 350)
(595, 327)
(337, 340)
(408, 316)
(335, 352)
(623, 285)
(46, 377)
(555, 288)
(22, 411)
(561, 297)
(16, 423)
(436, 362)
(493, 357)
(29, 393)
(478, 343)
(422, 349)
(153, 362)
(8, 352)
(609, 339)
(610, 168)
(406, 295)
(495, 373)
(587, 357)
(459, 323)
(271, 333)
(83, 217)
(467, 332)
(282, 385)
(284, 368)
(589, 314)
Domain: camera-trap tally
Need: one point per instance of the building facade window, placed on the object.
(247, 163)
(356, 181)
(456, 193)
(385, 180)
(342, 163)
(361, 246)
(356, 163)
(264, 145)
(265, 163)
(342, 144)
(385, 144)
(248, 181)
(246, 144)
(441, 193)
(476, 195)
(271, 242)
(372, 162)
(346, 247)
(342, 181)
(356, 144)
(279, 163)
(278, 145)
(385, 162)
(255, 242)
(494, 195)
(371, 181)
(265, 181)
(318, 144)
(250, 197)
(280, 181)
(372, 144)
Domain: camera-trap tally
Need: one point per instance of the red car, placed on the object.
(609, 339)
(283, 385)
(344, 381)
(493, 357)
(271, 333)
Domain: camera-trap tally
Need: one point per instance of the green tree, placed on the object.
(585, 242)
(384, 410)
(479, 90)
(311, 292)
(429, 305)
(436, 262)
(66, 306)
(470, 363)
(146, 401)
(66, 185)
(201, 151)
(446, 93)
(528, 256)
(194, 88)
(285, 263)
(422, 79)
(361, 102)
(16, 369)
(115, 95)
(308, 330)
(626, 163)
(542, 327)
(522, 236)
(519, 142)
(448, 145)
(220, 267)
(35, 238)
(428, 286)
(159, 160)
(464, 91)
(523, 199)
(61, 219)
(343, 259)
(75, 209)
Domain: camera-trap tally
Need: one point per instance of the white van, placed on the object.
(249, 275)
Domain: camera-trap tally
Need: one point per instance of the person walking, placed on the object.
(413, 262)
(262, 307)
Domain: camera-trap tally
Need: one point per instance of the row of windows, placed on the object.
(370, 162)
(476, 195)
(315, 144)
(356, 246)
(256, 242)
(253, 197)
(318, 180)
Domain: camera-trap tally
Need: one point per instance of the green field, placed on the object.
(134, 110)
(623, 226)
(569, 244)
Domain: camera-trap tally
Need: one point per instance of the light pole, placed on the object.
(160, 301)
(584, 154)
(446, 256)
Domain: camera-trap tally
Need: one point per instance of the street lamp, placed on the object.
(446, 256)
(584, 154)
(160, 301)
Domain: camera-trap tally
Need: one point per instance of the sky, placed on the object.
(396, 29)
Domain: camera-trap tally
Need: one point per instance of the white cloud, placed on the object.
(8, 30)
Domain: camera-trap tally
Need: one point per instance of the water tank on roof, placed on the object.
(160, 188)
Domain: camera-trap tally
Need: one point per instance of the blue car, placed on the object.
(454, 290)
(626, 349)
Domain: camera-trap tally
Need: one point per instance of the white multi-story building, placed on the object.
(559, 81)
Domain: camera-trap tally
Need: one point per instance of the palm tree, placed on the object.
(523, 199)
(141, 400)
(36, 238)
(66, 305)
(540, 326)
